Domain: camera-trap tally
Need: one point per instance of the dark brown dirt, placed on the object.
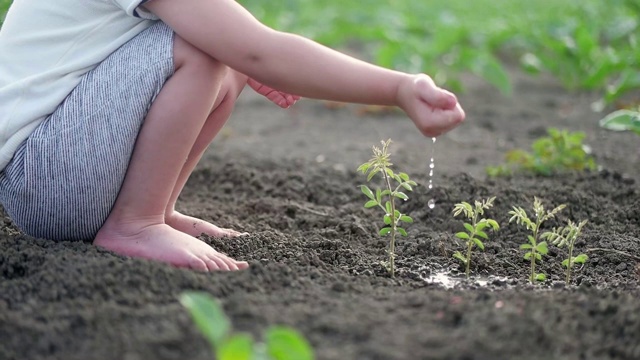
(288, 178)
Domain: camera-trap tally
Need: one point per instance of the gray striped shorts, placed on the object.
(64, 179)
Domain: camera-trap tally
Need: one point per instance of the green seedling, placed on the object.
(385, 197)
(622, 120)
(559, 152)
(568, 236)
(534, 247)
(280, 343)
(475, 229)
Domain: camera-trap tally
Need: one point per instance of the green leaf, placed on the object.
(469, 228)
(401, 195)
(364, 168)
(372, 174)
(489, 68)
(404, 176)
(407, 186)
(379, 195)
(532, 241)
(493, 224)
(538, 256)
(238, 347)
(462, 235)
(482, 234)
(389, 172)
(387, 220)
(527, 256)
(406, 219)
(526, 246)
(208, 316)
(370, 204)
(402, 231)
(365, 190)
(542, 248)
(622, 120)
(540, 277)
(531, 63)
(387, 206)
(479, 243)
(580, 259)
(287, 344)
(385, 231)
(459, 256)
(565, 262)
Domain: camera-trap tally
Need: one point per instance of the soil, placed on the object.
(288, 178)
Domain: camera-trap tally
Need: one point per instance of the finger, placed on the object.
(446, 120)
(277, 98)
(232, 232)
(433, 95)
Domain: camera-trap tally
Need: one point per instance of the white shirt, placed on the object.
(46, 46)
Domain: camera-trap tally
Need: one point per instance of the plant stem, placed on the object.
(392, 243)
(534, 251)
(469, 247)
(569, 264)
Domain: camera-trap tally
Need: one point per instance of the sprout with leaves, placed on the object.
(534, 248)
(385, 198)
(475, 229)
(281, 343)
(568, 236)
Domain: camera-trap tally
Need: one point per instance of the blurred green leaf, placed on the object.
(208, 316)
(237, 347)
(287, 344)
(622, 120)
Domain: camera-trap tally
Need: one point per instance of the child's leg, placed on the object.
(188, 111)
(231, 88)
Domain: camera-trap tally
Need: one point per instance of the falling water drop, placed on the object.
(432, 165)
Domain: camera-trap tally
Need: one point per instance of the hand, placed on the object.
(279, 98)
(433, 110)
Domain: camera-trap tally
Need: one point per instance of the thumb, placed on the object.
(433, 95)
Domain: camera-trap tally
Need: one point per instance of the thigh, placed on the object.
(65, 178)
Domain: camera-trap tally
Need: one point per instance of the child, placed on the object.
(106, 106)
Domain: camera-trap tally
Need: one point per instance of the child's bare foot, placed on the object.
(161, 242)
(196, 227)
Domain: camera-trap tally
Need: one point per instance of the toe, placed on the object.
(221, 264)
(197, 264)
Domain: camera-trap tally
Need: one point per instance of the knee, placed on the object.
(187, 55)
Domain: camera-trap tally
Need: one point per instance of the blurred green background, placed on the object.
(586, 44)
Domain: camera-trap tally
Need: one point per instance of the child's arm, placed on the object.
(296, 65)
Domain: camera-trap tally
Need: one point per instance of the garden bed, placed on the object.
(288, 178)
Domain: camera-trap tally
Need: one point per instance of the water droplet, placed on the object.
(431, 203)
(431, 172)
(434, 140)
(432, 165)
(430, 186)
